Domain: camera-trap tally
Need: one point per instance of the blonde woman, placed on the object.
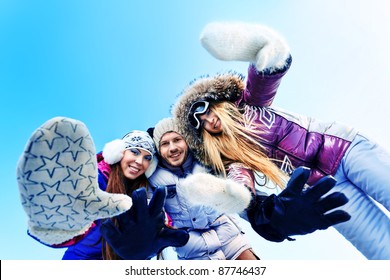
(232, 128)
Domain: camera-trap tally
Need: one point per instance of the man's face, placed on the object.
(173, 148)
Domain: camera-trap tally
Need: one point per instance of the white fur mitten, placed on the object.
(224, 195)
(246, 42)
(58, 183)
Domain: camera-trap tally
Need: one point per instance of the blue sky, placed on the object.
(119, 65)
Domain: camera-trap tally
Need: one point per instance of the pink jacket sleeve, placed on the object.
(242, 175)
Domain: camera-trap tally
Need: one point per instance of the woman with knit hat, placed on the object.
(67, 193)
(230, 126)
(122, 168)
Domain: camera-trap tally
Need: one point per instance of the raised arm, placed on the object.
(266, 51)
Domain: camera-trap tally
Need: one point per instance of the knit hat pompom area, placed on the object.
(114, 150)
(163, 126)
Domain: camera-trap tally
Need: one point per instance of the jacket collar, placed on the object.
(180, 171)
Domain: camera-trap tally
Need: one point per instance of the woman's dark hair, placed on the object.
(118, 183)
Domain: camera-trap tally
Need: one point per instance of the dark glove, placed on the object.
(296, 211)
(141, 232)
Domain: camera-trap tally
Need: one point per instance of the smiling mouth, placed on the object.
(175, 156)
(133, 169)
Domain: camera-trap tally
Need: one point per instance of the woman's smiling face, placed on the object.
(135, 162)
(211, 122)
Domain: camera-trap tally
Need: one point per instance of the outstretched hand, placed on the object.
(141, 232)
(57, 177)
(223, 195)
(298, 211)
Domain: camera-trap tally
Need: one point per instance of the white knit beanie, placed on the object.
(163, 126)
(113, 151)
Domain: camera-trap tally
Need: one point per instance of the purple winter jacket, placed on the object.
(293, 139)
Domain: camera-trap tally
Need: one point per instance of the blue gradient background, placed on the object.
(119, 65)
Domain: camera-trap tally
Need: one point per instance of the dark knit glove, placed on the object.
(141, 232)
(296, 211)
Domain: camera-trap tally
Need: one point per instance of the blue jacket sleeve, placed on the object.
(89, 248)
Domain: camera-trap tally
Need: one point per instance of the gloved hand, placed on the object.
(296, 211)
(141, 233)
(253, 43)
(58, 183)
(224, 195)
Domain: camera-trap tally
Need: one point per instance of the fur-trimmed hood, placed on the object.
(222, 87)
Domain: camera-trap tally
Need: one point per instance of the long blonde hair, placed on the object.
(237, 143)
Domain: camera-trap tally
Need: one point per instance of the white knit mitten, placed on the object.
(224, 195)
(58, 184)
(246, 42)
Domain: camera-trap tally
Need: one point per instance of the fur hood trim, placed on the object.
(222, 87)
